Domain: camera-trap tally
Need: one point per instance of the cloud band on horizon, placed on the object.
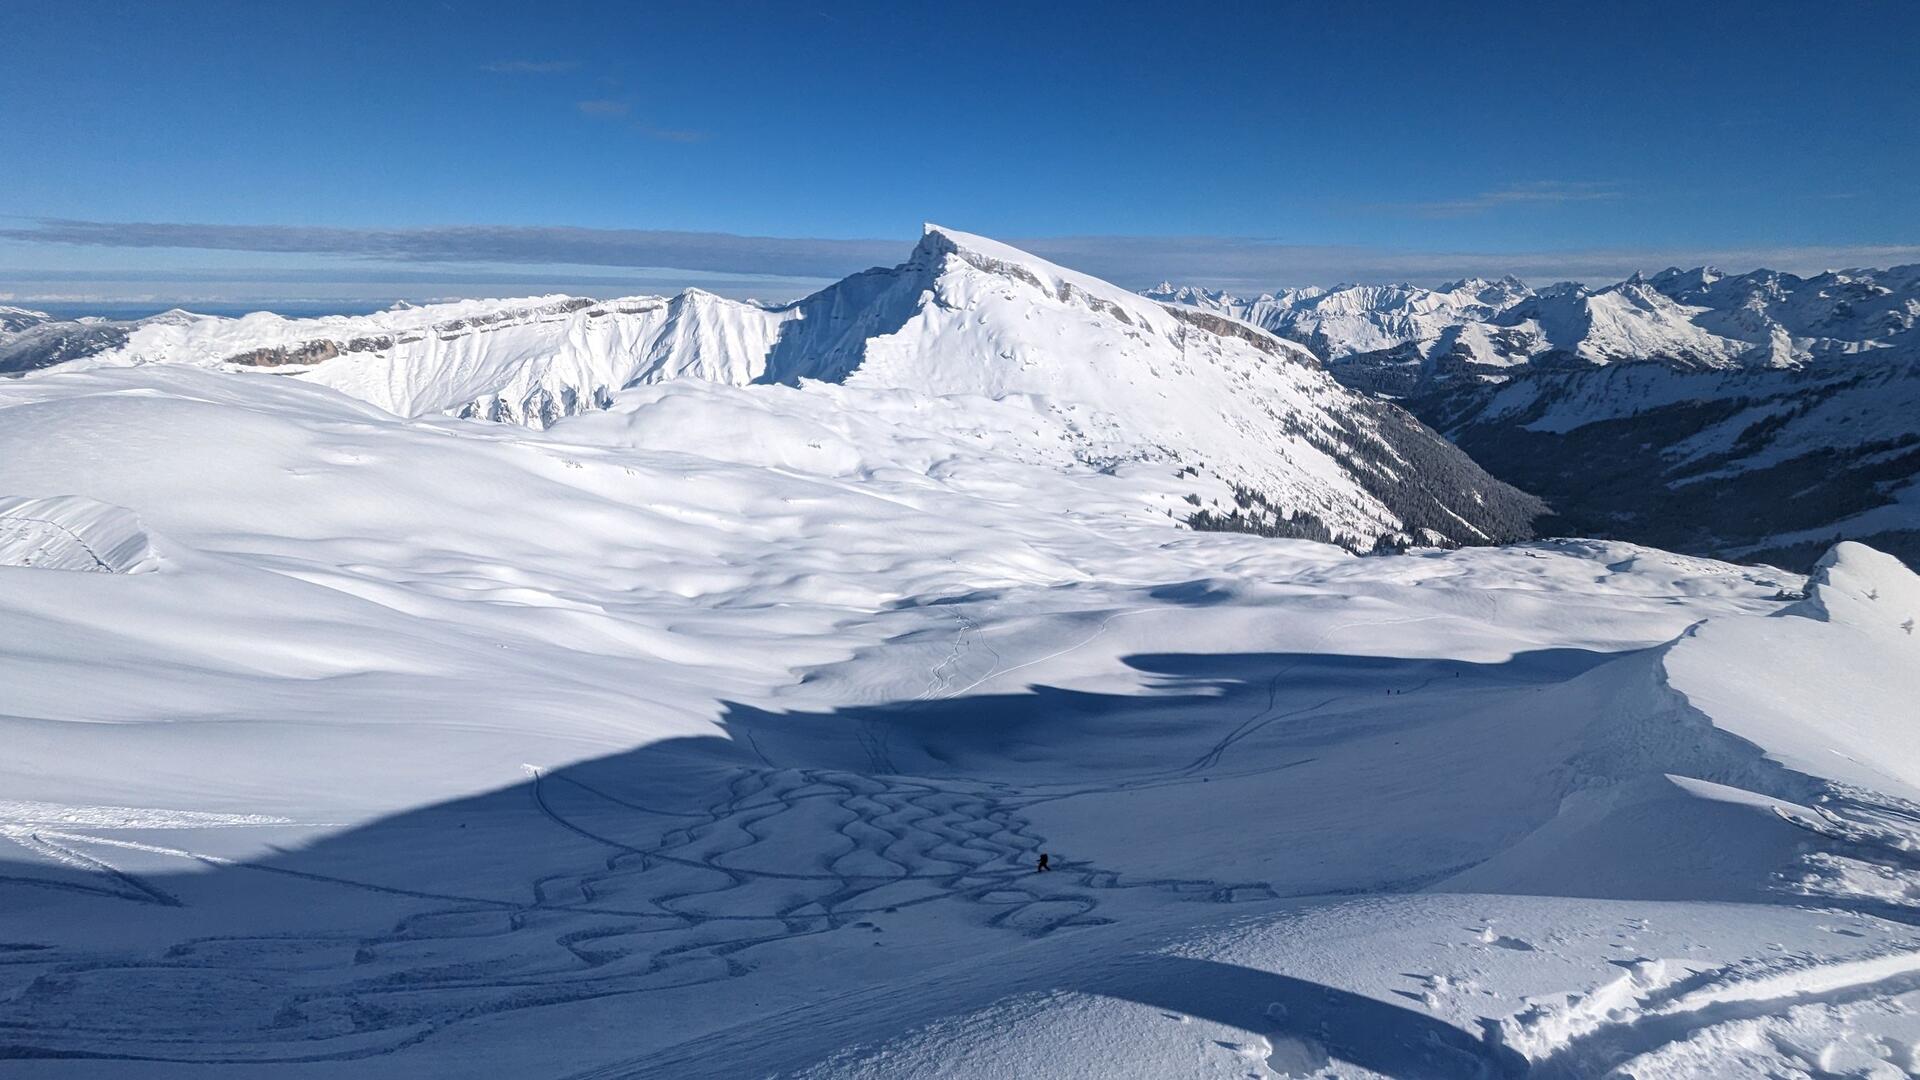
(1243, 264)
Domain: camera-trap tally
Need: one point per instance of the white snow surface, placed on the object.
(717, 732)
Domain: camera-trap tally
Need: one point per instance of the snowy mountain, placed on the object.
(1106, 379)
(1759, 416)
(1763, 465)
(34, 339)
(1402, 339)
(717, 734)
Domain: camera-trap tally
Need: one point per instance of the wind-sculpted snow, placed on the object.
(73, 533)
(718, 734)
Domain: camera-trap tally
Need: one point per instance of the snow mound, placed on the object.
(1826, 686)
(1857, 584)
(71, 532)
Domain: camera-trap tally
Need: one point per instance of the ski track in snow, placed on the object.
(1608, 1031)
(945, 842)
(951, 842)
(948, 841)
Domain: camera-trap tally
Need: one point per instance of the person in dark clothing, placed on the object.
(1043, 867)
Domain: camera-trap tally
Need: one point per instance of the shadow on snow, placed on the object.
(684, 863)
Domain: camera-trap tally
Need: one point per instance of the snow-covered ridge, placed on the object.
(531, 361)
(1269, 439)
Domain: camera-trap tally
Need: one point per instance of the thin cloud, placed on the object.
(531, 67)
(1240, 265)
(603, 107)
(706, 252)
(672, 134)
(1531, 193)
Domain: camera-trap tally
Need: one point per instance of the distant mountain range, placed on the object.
(1403, 339)
(1756, 416)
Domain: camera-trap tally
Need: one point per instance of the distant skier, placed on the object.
(1043, 867)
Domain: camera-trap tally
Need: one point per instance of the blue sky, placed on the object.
(461, 147)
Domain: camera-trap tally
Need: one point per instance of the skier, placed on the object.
(1043, 867)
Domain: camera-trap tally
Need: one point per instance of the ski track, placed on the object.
(619, 928)
(8, 524)
(1678, 1013)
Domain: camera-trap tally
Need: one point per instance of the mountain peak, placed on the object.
(940, 240)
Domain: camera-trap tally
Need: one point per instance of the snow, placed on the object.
(716, 731)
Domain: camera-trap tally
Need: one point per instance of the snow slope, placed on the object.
(715, 734)
(1273, 443)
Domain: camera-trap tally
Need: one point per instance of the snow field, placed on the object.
(716, 734)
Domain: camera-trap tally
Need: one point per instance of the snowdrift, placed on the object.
(72, 532)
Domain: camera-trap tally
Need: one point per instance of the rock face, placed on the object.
(1271, 441)
(306, 355)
